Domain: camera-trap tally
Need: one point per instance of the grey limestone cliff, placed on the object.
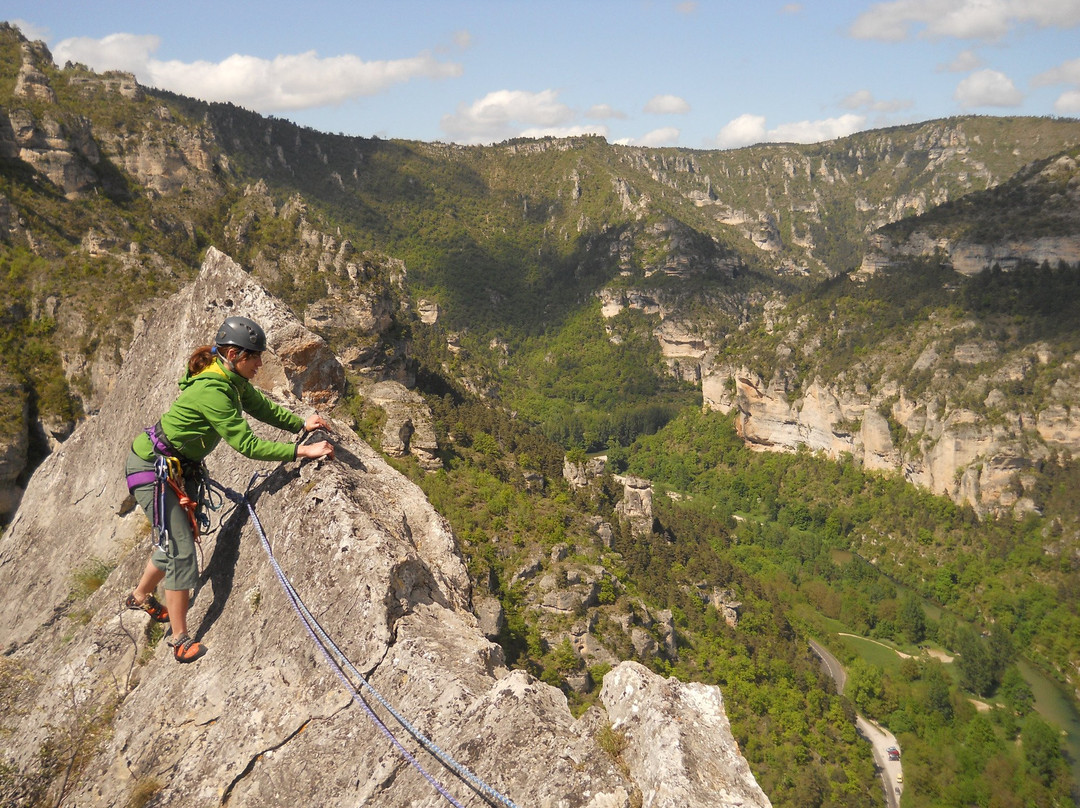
(97, 713)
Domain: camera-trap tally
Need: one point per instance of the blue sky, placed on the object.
(703, 75)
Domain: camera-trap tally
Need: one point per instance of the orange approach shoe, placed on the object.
(151, 606)
(186, 649)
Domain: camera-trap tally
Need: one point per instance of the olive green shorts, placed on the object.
(180, 564)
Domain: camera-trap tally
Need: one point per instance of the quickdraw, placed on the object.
(168, 473)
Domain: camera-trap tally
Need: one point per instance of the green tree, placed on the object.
(1016, 691)
(974, 664)
(865, 686)
(980, 742)
(945, 584)
(1001, 651)
(912, 619)
(937, 691)
(1042, 748)
(811, 786)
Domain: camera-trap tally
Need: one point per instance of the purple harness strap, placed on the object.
(161, 447)
(140, 478)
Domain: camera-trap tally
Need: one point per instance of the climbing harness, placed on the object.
(341, 666)
(170, 471)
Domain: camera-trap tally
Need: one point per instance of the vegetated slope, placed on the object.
(949, 602)
(1037, 202)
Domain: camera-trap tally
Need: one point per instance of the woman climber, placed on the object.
(215, 393)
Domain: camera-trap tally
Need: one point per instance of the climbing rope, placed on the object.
(340, 663)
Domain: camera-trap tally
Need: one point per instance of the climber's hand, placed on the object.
(316, 421)
(323, 448)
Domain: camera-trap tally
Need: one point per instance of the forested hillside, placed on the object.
(556, 299)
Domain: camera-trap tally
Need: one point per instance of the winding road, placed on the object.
(880, 738)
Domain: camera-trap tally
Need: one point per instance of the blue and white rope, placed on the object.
(326, 645)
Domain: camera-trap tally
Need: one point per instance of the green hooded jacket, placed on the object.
(211, 406)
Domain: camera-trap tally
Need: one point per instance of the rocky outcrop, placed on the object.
(581, 475)
(32, 84)
(769, 420)
(164, 157)
(427, 311)
(683, 348)
(64, 153)
(114, 81)
(258, 718)
(635, 507)
(61, 148)
(723, 600)
(971, 258)
(357, 309)
(408, 428)
(662, 733)
(491, 616)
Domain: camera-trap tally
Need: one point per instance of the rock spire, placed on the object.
(261, 720)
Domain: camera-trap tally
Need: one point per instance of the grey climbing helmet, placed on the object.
(241, 333)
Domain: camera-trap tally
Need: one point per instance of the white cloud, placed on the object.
(1050, 13)
(507, 113)
(687, 7)
(749, 129)
(890, 21)
(987, 88)
(817, 131)
(964, 19)
(791, 8)
(666, 105)
(965, 61)
(1065, 73)
(290, 81)
(864, 99)
(665, 136)
(31, 31)
(859, 98)
(1068, 103)
(745, 130)
(604, 111)
(463, 39)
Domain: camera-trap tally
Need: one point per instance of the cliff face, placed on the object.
(958, 453)
(102, 715)
(68, 150)
(964, 435)
(1038, 221)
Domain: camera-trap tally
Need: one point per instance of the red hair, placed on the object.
(200, 359)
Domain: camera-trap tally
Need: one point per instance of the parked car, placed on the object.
(893, 753)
